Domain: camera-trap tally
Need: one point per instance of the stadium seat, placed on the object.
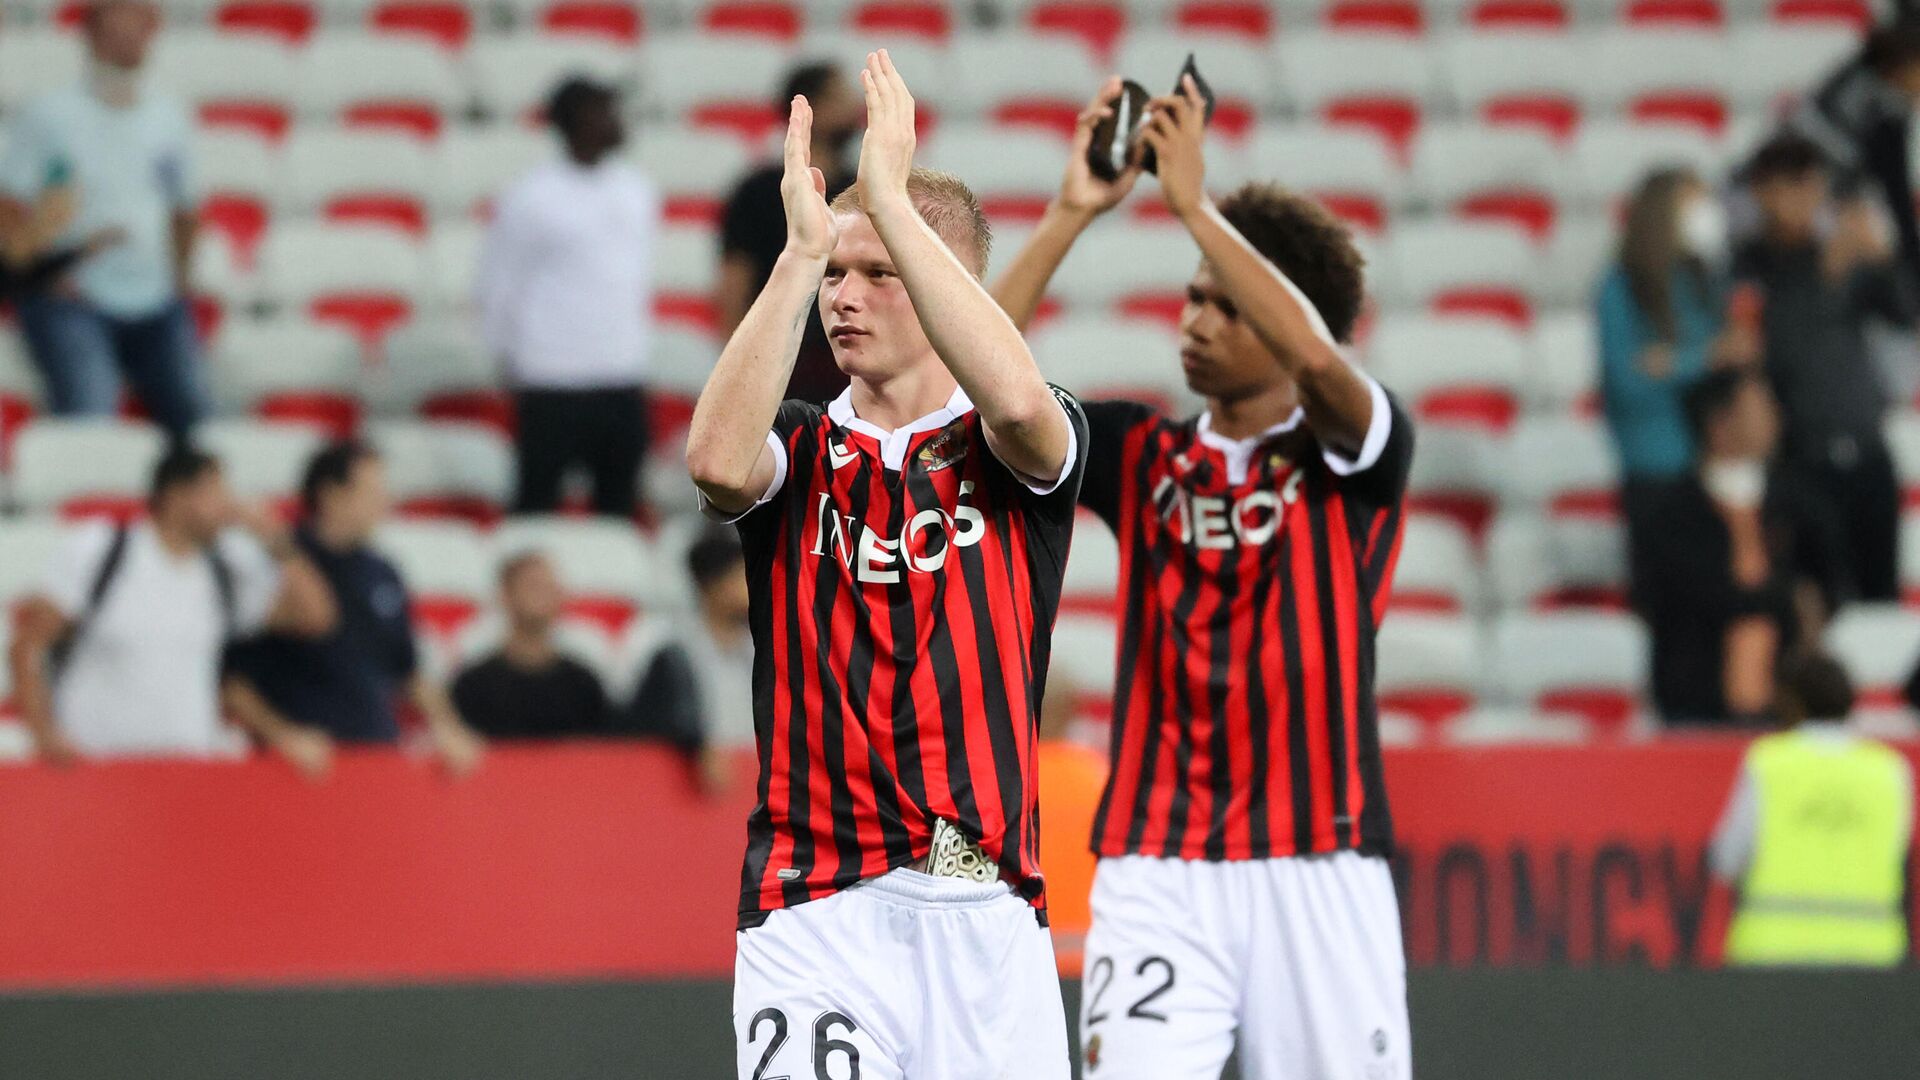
(1610, 158)
(1437, 572)
(720, 83)
(1351, 170)
(1014, 173)
(19, 391)
(696, 170)
(1910, 558)
(1101, 357)
(1592, 663)
(617, 22)
(1095, 23)
(1453, 370)
(353, 177)
(1456, 474)
(439, 369)
(453, 263)
(513, 74)
(447, 23)
(83, 467)
(1662, 76)
(685, 269)
(292, 21)
(602, 649)
(261, 460)
(927, 67)
(231, 80)
(1481, 173)
(777, 20)
(446, 470)
(474, 164)
(1019, 79)
(1903, 440)
(291, 371)
(27, 548)
(1577, 255)
(1880, 645)
(1093, 570)
(1561, 465)
(33, 62)
(1398, 730)
(1855, 15)
(1084, 648)
(1492, 725)
(608, 568)
(678, 362)
(1463, 268)
(447, 567)
(1564, 373)
(361, 276)
(238, 176)
(1239, 71)
(929, 19)
(222, 274)
(1773, 65)
(1545, 563)
(366, 80)
(1681, 14)
(1522, 78)
(1429, 665)
(1139, 271)
(1378, 81)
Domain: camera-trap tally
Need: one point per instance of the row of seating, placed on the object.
(1386, 81)
(455, 22)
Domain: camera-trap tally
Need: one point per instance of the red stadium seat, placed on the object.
(1703, 110)
(1706, 13)
(337, 414)
(15, 410)
(415, 117)
(1357, 209)
(1394, 118)
(1393, 16)
(621, 22)
(110, 507)
(1520, 15)
(449, 22)
(1557, 116)
(1532, 211)
(1096, 22)
(611, 614)
(402, 212)
(1246, 17)
(242, 217)
(267, 119)
(293, 20)
(488, 408)
(371, 315)
(766, 18)
(442, 616)
(1855, 13)
(931, 19)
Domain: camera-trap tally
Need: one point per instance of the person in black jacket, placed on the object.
(1745, 565)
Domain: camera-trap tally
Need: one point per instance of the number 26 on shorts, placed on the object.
(771, 1024)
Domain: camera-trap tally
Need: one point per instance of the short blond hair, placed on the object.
(949, 205)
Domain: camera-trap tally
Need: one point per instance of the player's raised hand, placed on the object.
(1176, 128)
(811, 230)
(1080, 190)
(886, 154)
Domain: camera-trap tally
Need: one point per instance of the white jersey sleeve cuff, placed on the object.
(1376, 441)
(779, 481)
(1048, 487)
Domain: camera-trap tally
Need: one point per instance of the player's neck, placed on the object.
(904, 398)
(1246, 417)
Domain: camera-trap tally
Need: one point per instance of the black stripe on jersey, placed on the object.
(833, 720)
(1260, 719)
(799, 793)
(1330, 657)
(1299, 762)
(860, 662)
(1006, 758)
(1183, 745)
(1226, 586)
(1151, 653)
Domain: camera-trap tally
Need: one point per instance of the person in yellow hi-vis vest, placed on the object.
(1815, 836)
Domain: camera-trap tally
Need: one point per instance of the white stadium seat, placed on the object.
(1492, 72)
(1017, 170)
(453, 252)
(255, 359)
(1105, 357)
(344, 71)
(597, 556)
(1878, 643)
(1457, 460)
(1338, 165)
(1093, 567)
(1579, 253)
(1433, 259)
(439, 558)
(681, 73)
(18, 379)
(232, 163)
(1319, 70)
(513, 74)
(680, 360)
(1902, 429)
(1632, 64)
(1565, 367)
(27, 547)
(1531, 559)
(260, 460)
(325, 168)
(202, 67)
(1553, 460)
(687, 260)
(1453, 163)
(306, 261)
(1610, 158)
(55, 461)
(1430, 360)
(925, 65)
(1772, 64)
(993, 71)
(1084, 648)
(1239, 70)
(1504, 726)
(1427, 657)
(430, 357)
(690, 164)
(1115, 260)
(445, 461)
(1536, 656)
(1437, 570)
(474, 164)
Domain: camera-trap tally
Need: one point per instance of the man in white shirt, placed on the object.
(119, 653)
(123, 152)
(565, 301)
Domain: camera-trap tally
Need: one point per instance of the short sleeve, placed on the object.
(256, 580)
(793, 416)
(1378, 471)
(74, 567)
(1055, 500)
(23, 160)
(1108, 425)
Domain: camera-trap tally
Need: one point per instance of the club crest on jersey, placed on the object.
(921, 547)
(945, 449)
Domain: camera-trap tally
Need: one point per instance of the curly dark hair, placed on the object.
(1308, 244)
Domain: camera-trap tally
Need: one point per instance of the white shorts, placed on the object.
(904, 975)
(1300, 956)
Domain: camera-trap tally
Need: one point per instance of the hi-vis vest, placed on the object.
(1825, 886)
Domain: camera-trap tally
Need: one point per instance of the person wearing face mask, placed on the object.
(753, 228)
(1743, 566)
(117, 156)
(1826, 270)
(1662, 316)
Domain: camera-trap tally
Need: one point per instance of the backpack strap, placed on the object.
(103, 576)
(223, 584)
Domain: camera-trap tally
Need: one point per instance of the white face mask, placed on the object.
(1703, 229)
(1741, 485)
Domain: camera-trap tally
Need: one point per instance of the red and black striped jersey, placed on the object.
(904, 591)
(1252, 577)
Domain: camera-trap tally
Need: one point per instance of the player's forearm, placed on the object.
(1024, 282)
(1338, 401)
(738, 405)
(978, 343)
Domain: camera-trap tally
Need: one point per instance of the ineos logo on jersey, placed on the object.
(921, 547)
(1212, 523)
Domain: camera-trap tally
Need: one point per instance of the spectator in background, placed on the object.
(1814, 839)
(1743, 566)
(345, 684)
(1818, 294)
(529, 689)
(697, 690)
(565, 296)
(33, 255)
(119, 653)
(1662, 325)
(753, 230)
(123, 151)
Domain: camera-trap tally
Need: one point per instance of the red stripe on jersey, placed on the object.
(1280, 712)
(1313, 668)
(1241, 624)
(1116, 815)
